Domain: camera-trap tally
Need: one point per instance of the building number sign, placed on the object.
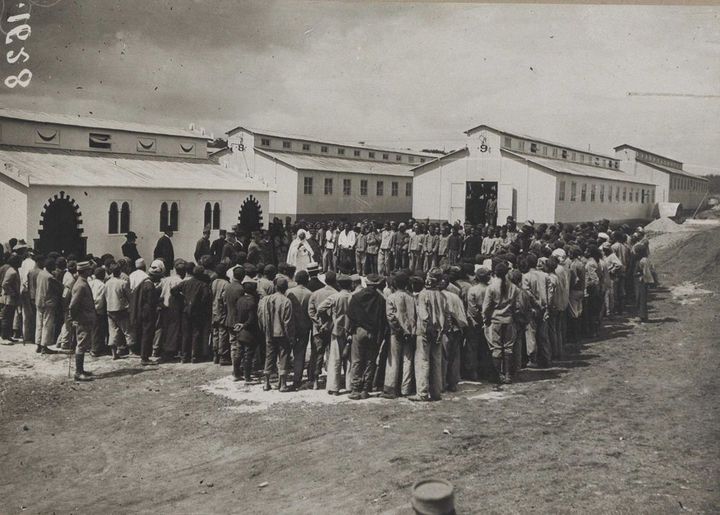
(18, 32)
(483, 144)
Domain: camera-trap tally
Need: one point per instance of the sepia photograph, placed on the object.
(359, 257)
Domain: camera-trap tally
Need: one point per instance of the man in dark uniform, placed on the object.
(129, 248)
(164, 250)
(202, 248)
(217, 247)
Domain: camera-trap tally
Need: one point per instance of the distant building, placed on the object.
(78, 185)
(673, 183)
(315, 179)
(529, 178)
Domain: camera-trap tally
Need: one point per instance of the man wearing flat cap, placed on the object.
(83, 317)
(202, 247)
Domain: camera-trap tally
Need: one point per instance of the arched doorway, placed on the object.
(250, 215)
(60, 227)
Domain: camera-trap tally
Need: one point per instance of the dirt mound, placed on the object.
(664, 224)
(695, 258)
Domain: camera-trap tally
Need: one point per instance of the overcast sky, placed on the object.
(398, 74)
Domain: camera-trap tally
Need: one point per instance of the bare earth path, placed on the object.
(632, 425)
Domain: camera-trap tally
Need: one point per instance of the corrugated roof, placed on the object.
(439, 159)
(338, 164)
(543, 141)
(96, 123)
(51, 167)
(675, 171)
(310, 139)
(572, 168)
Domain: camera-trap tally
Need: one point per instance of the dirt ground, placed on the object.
(631, 425)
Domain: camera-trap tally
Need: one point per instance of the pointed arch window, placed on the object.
(174, 217)
(164, 216)
(113, 218)
(207, 218)
(125, 218)
(216, 216)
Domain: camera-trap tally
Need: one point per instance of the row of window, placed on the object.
(119, 216)
(570, 155)
(347, 187)
(640, 195)
(686, 183)
(652, 158)
(325, 149)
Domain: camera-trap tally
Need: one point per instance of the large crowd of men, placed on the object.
(407, 309)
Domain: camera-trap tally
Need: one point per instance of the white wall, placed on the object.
(13, 210)
(145, 215)
(283, 179)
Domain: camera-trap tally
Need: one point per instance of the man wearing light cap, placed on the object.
(475, 355)
(83, 317)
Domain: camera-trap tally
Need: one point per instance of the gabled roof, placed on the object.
(572, 168)
(533, 138)
(54, 167)
(625, 145)
(312, 162)
(674, 171)
(453, 154)
(310, 139)
(96, 123)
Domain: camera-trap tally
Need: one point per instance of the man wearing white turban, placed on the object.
(300, 254)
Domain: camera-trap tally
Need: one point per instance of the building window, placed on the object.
(554, 153)
(533, 147)
(394, 189)
(508, 142)
(521, 146)
(363, 187)
(328, 186)
(564, 154)
(642, 196)
(356, 153)
(379, 189)
(637, 194)
(583, 193)
(323, 149)
(610, 193)
(169, 216)
(625, 194)
(422, 159)
(371, 155)
(408, 189)
(572, 156)
(386, 157)
(265, 142)
(652, 196)
(347, 187)
(592, 193)
(125, 217)
(341, 151)
(286, 144)
(602, 193)
(411, 159)
(307, 185)
(561, 194)
(398, 157)
(306, 147)
(617, 194)
(212, 215)
(573, 191)
(113, 218)
(101, 141)
(544, 150)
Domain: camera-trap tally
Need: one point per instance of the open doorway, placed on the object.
(481, 203)
(61, 231)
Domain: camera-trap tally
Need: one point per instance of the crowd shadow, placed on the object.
(122, 372)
